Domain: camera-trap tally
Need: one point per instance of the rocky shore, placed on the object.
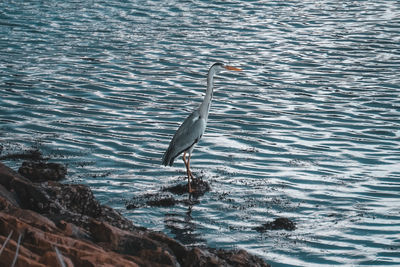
(48, 223)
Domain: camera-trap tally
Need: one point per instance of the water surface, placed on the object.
(310, 130)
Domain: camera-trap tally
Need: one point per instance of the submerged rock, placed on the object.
(152, 200)
(64, 221)
(278, 224)
(29, 154)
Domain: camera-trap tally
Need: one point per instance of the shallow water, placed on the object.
(310, 130)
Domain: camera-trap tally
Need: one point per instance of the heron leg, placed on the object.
(189, 174)
(188, 166)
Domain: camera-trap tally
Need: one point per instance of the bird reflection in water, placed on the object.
(182, 227)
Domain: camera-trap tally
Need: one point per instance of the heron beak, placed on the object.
(232, 68)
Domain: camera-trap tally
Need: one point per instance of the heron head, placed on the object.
(217, 67)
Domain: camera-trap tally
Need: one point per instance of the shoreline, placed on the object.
(54, 220)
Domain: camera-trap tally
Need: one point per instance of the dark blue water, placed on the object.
(310, 130)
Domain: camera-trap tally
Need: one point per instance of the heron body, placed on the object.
(193, 127)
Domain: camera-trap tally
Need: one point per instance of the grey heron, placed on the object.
(193, 127)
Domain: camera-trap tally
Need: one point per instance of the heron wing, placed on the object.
(186, 136)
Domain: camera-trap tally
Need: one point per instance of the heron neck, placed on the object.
(205, 105)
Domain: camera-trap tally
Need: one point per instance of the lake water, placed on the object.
(310, 130)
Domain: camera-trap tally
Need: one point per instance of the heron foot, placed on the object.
(191, 182)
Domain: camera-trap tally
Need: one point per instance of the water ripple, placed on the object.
(310, 129)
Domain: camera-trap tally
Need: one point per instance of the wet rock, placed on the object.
(278, 224)
(157, 200)
(42, 171)
(29, 154)
(238, 257)
(214, 257)
(152, 200)
(69, 202)
(51, 215)
(163, 199)
(199, 186)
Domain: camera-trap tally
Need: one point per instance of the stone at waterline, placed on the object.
(199, 186)
(152, 200)
(42, 171)
(278, 224)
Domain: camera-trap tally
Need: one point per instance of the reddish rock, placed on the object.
(51, 215)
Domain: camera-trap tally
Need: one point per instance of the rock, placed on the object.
(7, 195)
(50, 259)
(152, 200)
(163, 199)
(51, 216)
(278, 224)
(71, 203)
(39, 238)
(41, 171)
(29, 154)
(214, 257)
(199, 186)
(239, 258)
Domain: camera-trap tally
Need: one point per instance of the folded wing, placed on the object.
(188, 134)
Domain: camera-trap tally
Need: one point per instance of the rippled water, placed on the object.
(310, 130)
